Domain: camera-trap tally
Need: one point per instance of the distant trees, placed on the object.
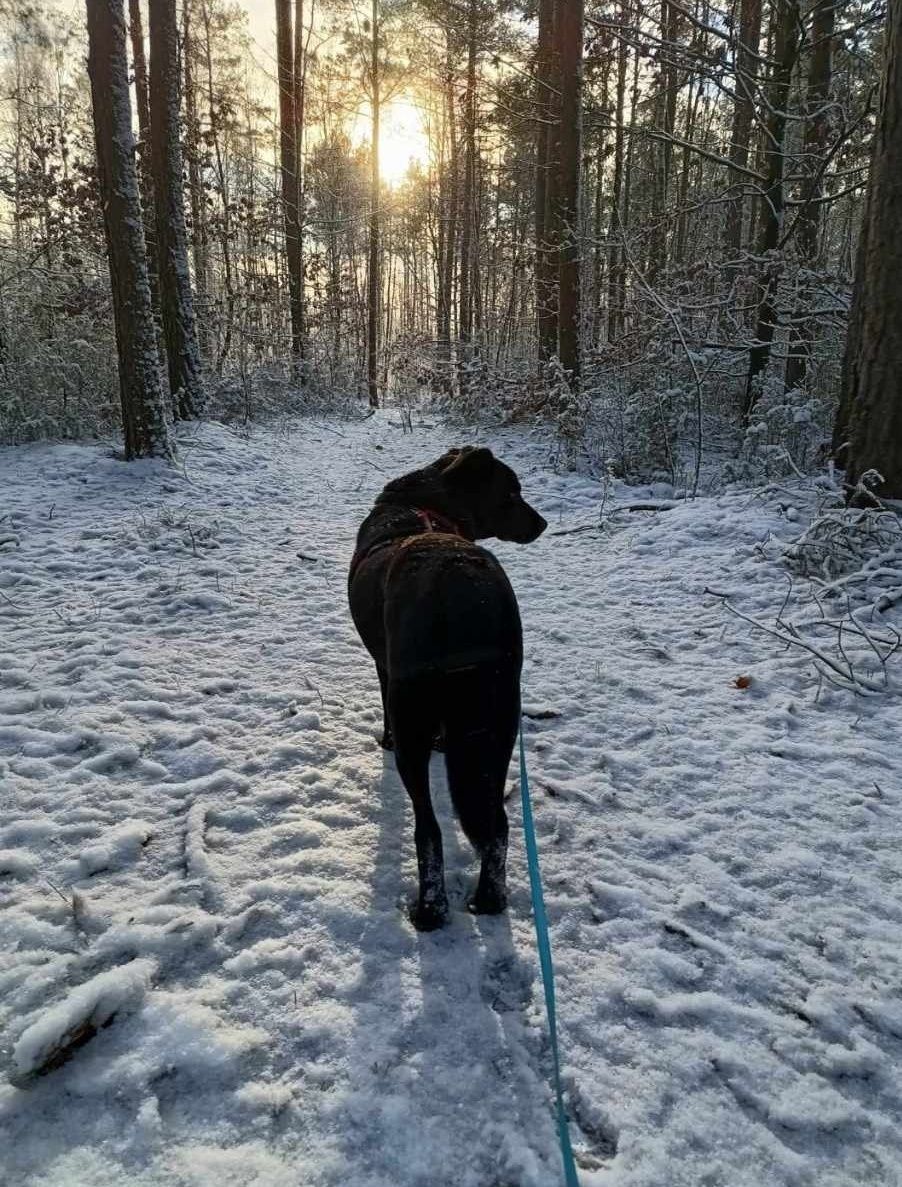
(143, 419)
(868, 431)
(725, 148)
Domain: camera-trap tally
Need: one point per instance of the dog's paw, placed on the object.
(488, 902)
(429, 916)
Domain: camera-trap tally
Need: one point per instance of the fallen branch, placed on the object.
(847, 678)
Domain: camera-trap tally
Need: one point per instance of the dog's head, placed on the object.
(482, 494)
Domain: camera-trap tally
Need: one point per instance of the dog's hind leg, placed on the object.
(481, 716)
(413, 713)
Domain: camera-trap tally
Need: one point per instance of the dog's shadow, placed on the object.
(429, 1007)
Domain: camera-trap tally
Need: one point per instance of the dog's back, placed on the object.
(448, 605)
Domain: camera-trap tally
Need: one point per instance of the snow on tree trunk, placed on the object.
(870, 416)
(179, 332)
(143, 418)
(145, 178)
(746, 68)
(803, 331)
(786, 50)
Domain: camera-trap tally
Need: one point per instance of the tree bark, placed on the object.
(199, 235)
(448, 230)
(374, 273)
(569, 35)
(743, 113)
(176, 302)
(786, 46)
(468, 211)
(145, 177)
(616, 225)
(143, 419)
(546, 176)
(289, 173)
(871, 404)
(666, 104)
(808, 222)
(299, 83)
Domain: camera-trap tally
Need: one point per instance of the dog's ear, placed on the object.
(447, 459)
(473, 464)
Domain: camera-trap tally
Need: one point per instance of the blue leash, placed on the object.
(544, 945)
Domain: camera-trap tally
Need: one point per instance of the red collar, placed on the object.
(432, 521)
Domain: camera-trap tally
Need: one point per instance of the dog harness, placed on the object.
(432, 521)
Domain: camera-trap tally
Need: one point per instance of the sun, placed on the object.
(403, 140)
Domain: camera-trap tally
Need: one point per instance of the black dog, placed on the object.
(439, 617)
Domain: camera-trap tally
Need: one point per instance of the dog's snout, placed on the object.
(530, 525)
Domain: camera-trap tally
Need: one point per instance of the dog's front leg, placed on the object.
(387, 742)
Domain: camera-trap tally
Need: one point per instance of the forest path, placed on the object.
(188, 734)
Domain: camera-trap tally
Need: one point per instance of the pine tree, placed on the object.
(176, 302)
(870, 412)
(143, 419)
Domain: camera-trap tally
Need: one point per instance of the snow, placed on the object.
(93, 1003)
(202, 845)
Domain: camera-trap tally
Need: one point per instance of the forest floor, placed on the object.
(202, 844)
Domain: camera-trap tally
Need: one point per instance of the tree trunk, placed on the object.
(199, 237)
(871, 404)
(743, 112)
(374, 274)
(467, 295)
(786, 45)
(448, 236)
(546, 175)
(808, 223)
(616, 226)
(289, 173)
(145, 178)
(299, 83)
(666, 104)
(569, 37)
(143, 419)
(177, 306)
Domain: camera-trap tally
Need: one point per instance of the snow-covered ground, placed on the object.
(204, 855)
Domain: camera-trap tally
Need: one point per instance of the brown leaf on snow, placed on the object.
(742, 681)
